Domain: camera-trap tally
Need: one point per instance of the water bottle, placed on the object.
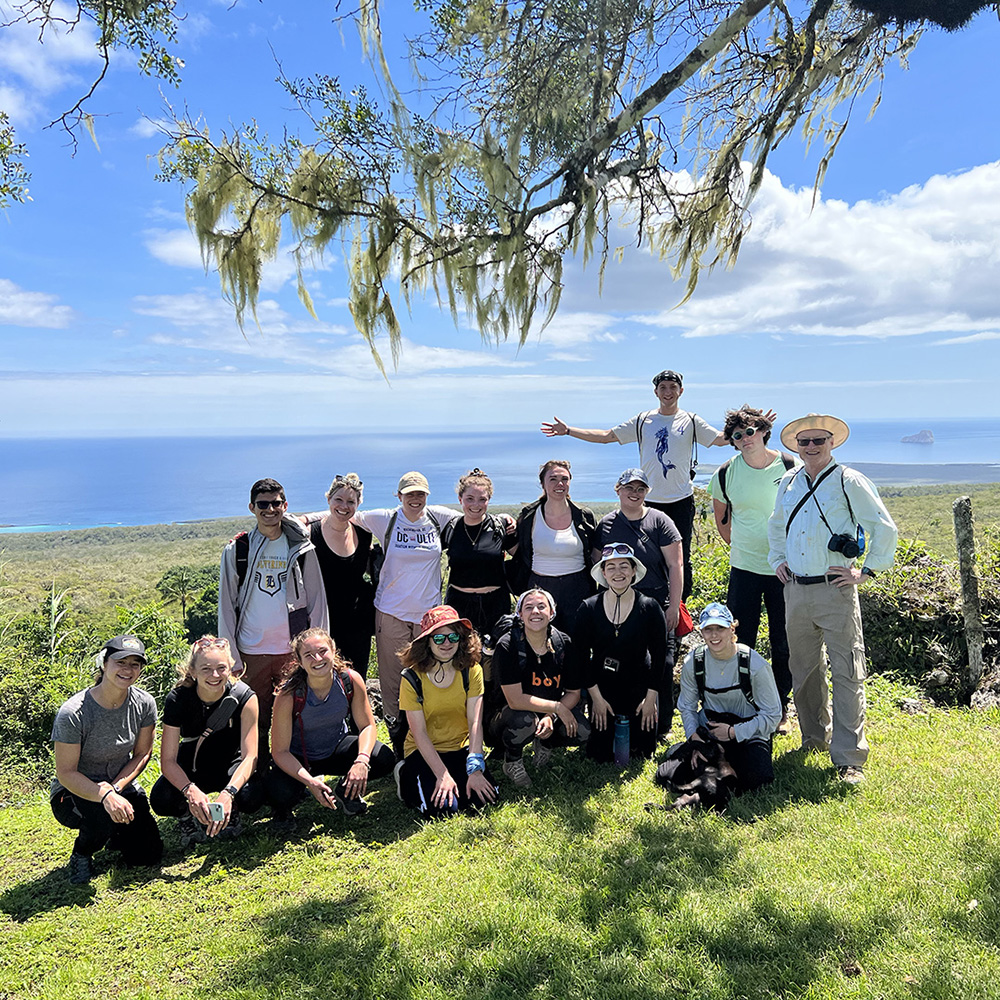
(621, 739)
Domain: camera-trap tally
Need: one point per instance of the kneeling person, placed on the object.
(209, 744)
(730, 688)
(536, 672)
(310, 737)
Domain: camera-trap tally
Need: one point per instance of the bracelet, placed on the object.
(186, 787)
(367, 763)
(475, 762)
(107, 793)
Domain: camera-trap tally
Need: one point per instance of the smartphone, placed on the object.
(216, 812)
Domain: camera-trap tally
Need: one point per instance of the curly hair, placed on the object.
(746, 416)
(418, 655)
(475, 478)
(299, 675)
(185, 670)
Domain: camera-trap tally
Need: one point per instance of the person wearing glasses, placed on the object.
(443, 770)
(668, 439)
(343, 550)
(270, 589)
(103, 740)
(743, 491)
(825, 518)
(620, 639)
(208, 746)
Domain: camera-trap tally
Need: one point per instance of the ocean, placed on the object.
(57, 484)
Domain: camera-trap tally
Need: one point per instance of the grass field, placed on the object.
(807, 890)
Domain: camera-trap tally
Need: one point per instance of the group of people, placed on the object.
(278, 701)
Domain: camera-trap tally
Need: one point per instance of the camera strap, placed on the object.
(811, 492)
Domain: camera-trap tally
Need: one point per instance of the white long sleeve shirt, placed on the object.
(804, 547)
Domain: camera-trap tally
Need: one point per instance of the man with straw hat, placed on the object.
(826, 518)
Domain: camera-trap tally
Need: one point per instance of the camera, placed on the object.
(846, 545)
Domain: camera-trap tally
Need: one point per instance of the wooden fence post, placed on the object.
(966, 544)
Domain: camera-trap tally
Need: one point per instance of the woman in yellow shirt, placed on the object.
(443, 770)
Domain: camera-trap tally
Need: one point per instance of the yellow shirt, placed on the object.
(443, 708)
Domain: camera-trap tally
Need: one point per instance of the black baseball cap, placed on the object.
(124, 645)
(668, 375)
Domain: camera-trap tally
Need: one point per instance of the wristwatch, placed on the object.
(231, 791)
(865, 571)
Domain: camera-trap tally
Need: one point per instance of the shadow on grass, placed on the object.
(48, 892)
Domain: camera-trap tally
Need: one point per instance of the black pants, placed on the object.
(681, 512)
(569, 592)
(746, 591)
(417, 781)
(138, 841)
(284, 791)
(166, 800)
(514, 729)
(483, 610)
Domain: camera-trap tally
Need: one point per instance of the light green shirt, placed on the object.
(751, 492)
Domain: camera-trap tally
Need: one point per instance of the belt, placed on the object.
(806, 580)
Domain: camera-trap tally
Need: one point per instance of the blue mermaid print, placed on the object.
(662, 447)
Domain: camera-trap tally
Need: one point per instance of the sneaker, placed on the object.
(191, 831)
(851, 775)
(395, 775)
(80, 869)
(351, 807)
(515, 770)
(543, 755)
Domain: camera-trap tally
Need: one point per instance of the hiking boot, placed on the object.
(351, 807)
(850, 775)
(395, 775)
(190, 830)
(514, 769)
(81, 871)
(543, 755)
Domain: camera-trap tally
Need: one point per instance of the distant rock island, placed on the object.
(921, 437)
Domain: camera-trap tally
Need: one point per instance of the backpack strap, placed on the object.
(788, 461)
(639, 421)
(699, 672)
(413, 678)
(236, 697)
(805, 498)
(743, 669)
(242, 541)
(388, 530)
(694, 444)
(743, 666)
(723, 469)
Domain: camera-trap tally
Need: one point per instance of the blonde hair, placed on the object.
(185, 670)
(350, 481)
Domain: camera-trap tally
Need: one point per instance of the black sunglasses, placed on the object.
(267, 504)
(805, 442)
(617, 549)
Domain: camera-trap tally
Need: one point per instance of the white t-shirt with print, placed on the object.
(410, 581)
(263, 624)
(665, 450)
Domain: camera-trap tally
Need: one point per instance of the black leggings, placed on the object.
(514, 729)
(417, 781)
(166, 800)
(138, 841)
(284, 791)
(483, 610)
(681, 512)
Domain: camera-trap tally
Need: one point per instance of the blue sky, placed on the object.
(881, 301)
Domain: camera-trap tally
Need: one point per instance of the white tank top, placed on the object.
(555, 553)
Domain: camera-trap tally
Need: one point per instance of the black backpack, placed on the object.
(743, 666)
(787, 461)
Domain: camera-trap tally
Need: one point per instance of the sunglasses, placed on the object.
(748, 432)
(268, 504)
(206, 643)
(617, 549)
(805, 442)
(440, 640)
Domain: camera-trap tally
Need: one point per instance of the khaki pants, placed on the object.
(264, 672)
(816, 616)
(391, 635)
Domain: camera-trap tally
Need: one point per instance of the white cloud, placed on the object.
(920, 261)
(37, 309)
(972, 338)
(146, 128)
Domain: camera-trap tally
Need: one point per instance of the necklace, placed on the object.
(468, 534)
(439, 672)
(616, 617)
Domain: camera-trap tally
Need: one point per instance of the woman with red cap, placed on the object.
(443, 770)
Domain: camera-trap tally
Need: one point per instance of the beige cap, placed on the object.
(410, 482)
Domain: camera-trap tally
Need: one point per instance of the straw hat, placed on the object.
(815, 422)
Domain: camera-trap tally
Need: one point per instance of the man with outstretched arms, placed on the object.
(825, 517)
(270, 589)
(667, 438)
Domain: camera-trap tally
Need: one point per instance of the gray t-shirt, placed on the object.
(106, 736)
(647, 537)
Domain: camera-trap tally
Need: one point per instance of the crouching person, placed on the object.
(103, 740)
(310, 735)
(728, 690)
(534, 666)
(208, 746)
(443, 771)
